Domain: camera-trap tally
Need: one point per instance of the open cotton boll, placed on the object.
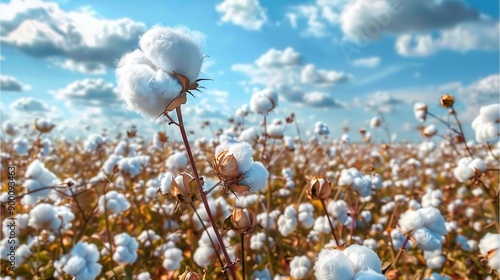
(21, 146)
(299, 267)
(338, 209)
(287, 222)
(306, 215)
(83, 262)
(486, 125)
(242, 152)
(321, 129)
(9, 128)
(410, 220)
(177, 161)
(126, 250)
(256, 177)
(145, 76)
(363, 258)
(113, 202)
(489, 247)
(94, 141)
(249, 135)
(333, 265)
(369, 275)
(43, 216)
(434, 259)
(427, 240)
(420, 111)
(173, 259)
(477, 164)
(263, 274)
(264, 101)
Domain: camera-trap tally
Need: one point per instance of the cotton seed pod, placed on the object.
(183, 188)
(190, 275)
(447, 101)
(318, 188)
(226, 166)
(392, 275)
(243, 220)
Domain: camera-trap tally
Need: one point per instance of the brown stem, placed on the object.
(330, 223)
(398, 256)
(203, 196)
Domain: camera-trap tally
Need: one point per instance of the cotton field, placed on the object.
(251, 201)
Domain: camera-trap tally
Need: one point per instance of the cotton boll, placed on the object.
(410, 220)
(249, 135)
(486, 124)
(204, 256)
(287, 222)
(370, 243)
(338, 209)
(176, 161)
(489, 247)
(299, 267)
(420, 111)
(257, 241)
(172, 259)
(427, 240)
(305, 216)
(462, 241)
(126, 250)
(433, 220)
(263, 274)
(113, 202)
(43, 216)
(434, 259)
(144, 276)
(264, 101)
(147, 237)
(256, 177)
(321, 129)
(9, 128)
(21, 146)
(243, 154)
(333, 265)
(94, 141)
(322, 225)
(110, 164)
(82, 262)
(478, 164)
(363, 258)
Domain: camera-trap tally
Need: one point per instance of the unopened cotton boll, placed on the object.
(264, 101)
(145, 76)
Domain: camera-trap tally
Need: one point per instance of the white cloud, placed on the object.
(88, 67)
(89, 92)
(44, 30)
(320, 77)
(482, 35)
(283, 71)
(248, 14)
(9, 83)
(369, 62)
(29, 104)
(482, 92)
(368, 18)
(319, 16)
(276, 58)
(219, 95)
(380, 101)
(320, 100)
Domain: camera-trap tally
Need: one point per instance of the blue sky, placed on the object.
(330, 61)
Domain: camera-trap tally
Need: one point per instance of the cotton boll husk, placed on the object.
(256, 177)
(369, 275)
(243, 154)
(174, 49)
(363, 258)
(333, 265)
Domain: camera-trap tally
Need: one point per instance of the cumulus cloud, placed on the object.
(480, 93)
(380, 101)
(482, 35)
(318, 16)
(284, 71)
(79, 40)
(29, 104)
(9, 83)
(362, 18)
(369, 62)
(320, 100)
(89, 92)
(248, 14)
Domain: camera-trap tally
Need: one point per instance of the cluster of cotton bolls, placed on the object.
(82, 262)
(467, 168)
(426, 225)
(94, 142)
(38, 183)
(321, 128)
(362, 184)
(113, 202)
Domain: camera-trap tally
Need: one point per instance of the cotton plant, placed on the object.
(264, 101)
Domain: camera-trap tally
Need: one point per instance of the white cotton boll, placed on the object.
(242, 152)
(174, 49)
(363, 258)
(172, 259)
(398, 238)
(43, 216)
(375, 122)
(257, 241)
(144, 276)
(472, 244)
(430, 130)
(166, 182)
(110, 164)
(366, 215)
(477, 192)
(420, 111)
(432, 198)
(287, 222)
(264, 101)
(256, 177)
(486, 124)
(433, 220)
(299, 267)
(267, 221)
(345, 138)
(369, 275)
(116, 203)
(126, 249)
(176, 161)
(23, 253)
(370, 243)
(94, 141)
(9, 128)
(288, 143)
(321, 129)
(249, 135)
(120, 148)
(275, 131)
(427, 240)
(338, 209)
(489, 247)
(410, 220)
(130, 165)
(21, 146)
(305, 215)
(478, 164)
(322, 225)
(333, 265)
(462, 241)
(437, 276)
(246, 200)
(83, 262)
(451, 226)
(204, 256)
(147, 237)
(434, 259)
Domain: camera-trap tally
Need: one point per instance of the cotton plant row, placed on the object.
(254, 201)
